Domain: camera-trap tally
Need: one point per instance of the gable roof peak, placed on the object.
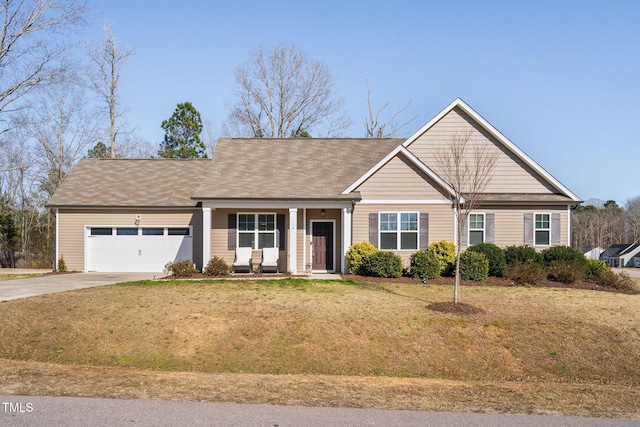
(503, 140)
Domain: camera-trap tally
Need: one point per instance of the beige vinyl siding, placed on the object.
(509, 223)
(73, 222)
(399, 173)
(510, 174)
(441, 222)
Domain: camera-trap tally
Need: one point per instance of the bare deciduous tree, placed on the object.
(282, 92)
(632, 212)
(62, 129)
(375, 128)
(108, 58)
(598, 224)
(468, 169)
(32, 47)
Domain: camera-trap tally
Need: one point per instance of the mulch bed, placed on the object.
(490, 281)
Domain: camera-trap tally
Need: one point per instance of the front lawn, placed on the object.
(580, 344)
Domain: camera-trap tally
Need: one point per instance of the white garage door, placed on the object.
(132, 249)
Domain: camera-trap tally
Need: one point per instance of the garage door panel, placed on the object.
(136, 253)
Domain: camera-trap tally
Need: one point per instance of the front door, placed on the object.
(322, 246)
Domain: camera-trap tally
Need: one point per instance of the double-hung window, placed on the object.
(256, 230)
(542, 229)
(476, 228)
(398, 230)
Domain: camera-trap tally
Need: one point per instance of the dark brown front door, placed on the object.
(322, 246)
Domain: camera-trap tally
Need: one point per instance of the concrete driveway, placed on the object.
(23, 288)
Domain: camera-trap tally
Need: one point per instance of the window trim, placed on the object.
(256, 230)
(535, 229)
(399, 230)
(483, 229)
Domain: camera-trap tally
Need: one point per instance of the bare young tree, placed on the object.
(468, 169)
(33, 47)
(375, 128)
(281, 92)
(108, 59)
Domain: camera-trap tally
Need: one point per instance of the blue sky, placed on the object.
(559, 78)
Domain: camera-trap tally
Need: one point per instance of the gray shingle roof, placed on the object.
(290, 168)
(240, 169)
(131, 182)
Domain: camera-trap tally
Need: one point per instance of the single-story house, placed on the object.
(623, 255)
(593, 253)
(311, 198)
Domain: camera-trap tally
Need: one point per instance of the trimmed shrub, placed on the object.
(474, 266)
(382, 264)
(216, 267)
(356, 253)
(523, 254)
(495, 256)
(563, 253)
(446, 253)
(181, 269)
(595, 268)
(62, 266)
(525, 273)
(425, 265)
(621, 282)
(566, 271)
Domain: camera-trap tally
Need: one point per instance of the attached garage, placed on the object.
(136, 249)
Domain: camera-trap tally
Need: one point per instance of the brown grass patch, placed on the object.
(354, 344)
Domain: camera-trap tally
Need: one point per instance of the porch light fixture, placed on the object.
(323, 212)
(138, 219)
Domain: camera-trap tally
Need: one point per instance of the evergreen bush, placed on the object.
(563, 253)
(382, 264)
(474, 266)
(356, 253)
(523, 254)
(62, 265)
(495, 256)
(446, 253)
(425, 265)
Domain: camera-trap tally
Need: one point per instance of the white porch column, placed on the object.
(293, 240)
(346, 236)
(55, 262)
(206, 236)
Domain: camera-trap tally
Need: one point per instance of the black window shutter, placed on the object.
(490, 225)
(555, 229)
(424, 231)
(373, 229)
(281, 231)
(231, 232)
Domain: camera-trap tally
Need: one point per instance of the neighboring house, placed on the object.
(624, 255)
(593, 253)
(311, 198)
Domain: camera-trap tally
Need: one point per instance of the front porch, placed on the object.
(312, 238)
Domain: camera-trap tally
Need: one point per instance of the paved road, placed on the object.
(76, 411)
(633, 272)
(23, 288)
